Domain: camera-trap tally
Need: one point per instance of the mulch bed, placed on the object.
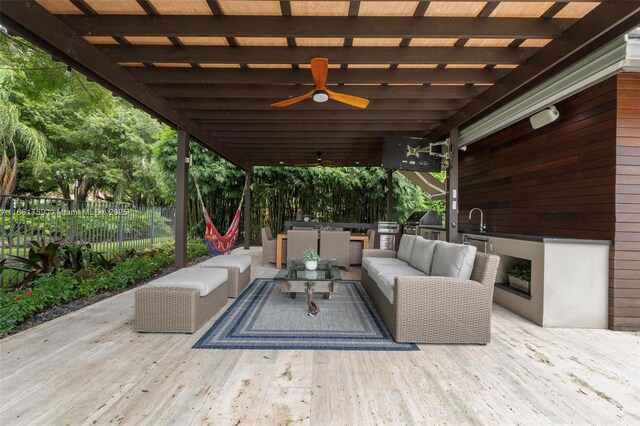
(60, 310)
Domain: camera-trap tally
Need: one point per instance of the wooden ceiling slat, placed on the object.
(182, 7)
(457, 9)
(302, 55)
(576, 9)
(204, 41)
(319, 42)
(274, 92)
(100, 40)
(319, 8)
(521, 10)
(315, 26)
(148, 41)
(116, 7)
(385, 8)
(375, 76)
(245, 7)
(60, 7)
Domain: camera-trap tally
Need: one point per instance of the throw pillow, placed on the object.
(453, 260)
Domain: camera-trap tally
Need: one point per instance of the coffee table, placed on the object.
(294, 278)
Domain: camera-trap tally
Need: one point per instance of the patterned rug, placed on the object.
(265, 318)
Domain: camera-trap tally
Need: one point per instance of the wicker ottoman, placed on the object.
(180, 302)
(239, 267)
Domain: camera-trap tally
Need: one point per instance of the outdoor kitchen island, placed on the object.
(569, 283)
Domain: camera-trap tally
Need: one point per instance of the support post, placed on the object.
(452, 188)
(182, 191)
(389, 195)
(247, 209)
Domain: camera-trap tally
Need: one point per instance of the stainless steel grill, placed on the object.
(387, 232)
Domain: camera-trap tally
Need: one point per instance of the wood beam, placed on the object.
(302, 55)
(265, 104)
(268, 91)
(315, 26)
(452, 189)
(389, 216)
(606, 22)
(313, 126)
(329, 116)
(247, 209)
(333, 134)
(290, 76)
(182, 199)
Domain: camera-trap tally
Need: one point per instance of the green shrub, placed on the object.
(196, 248)
(64, 286)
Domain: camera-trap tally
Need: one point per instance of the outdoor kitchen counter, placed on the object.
(538, 238)
(569, 284)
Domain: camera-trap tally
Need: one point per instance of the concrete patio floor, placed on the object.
(89, 367)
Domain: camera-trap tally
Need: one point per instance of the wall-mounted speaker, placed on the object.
(544, 117)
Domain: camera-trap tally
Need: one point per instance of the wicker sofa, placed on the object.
(418, 307)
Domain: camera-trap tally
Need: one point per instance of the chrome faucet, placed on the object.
(483, 227)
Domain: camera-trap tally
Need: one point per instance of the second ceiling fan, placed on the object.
(320, 93)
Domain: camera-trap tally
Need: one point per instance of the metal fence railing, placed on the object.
(109, 227)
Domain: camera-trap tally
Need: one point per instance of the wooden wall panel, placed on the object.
(578, 177)
(559, 180)
(624, 272)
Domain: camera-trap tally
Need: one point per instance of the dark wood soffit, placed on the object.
(269, 91)
(605, 23)
(314, 26)
(35, 24)
(265, 104)
(302, 55)
(289, 76)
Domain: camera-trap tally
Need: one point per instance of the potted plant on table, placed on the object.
(520, 276)
(310, 258)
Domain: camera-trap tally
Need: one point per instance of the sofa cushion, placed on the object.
(422, 255)
(406, 247)
(384, 277)
(240, 261)
(453, 260)
(204, 279)
(368, 261)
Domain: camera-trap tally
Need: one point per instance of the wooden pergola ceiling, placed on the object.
(215, 66)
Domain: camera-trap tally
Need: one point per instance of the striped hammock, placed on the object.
(216, 243)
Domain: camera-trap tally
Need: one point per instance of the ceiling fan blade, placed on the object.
(348, 99)
(292, 101)
(306, 165)
(319, 70)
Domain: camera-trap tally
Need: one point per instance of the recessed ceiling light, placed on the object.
(357, 162)
(282, 162)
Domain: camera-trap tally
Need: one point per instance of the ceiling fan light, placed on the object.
(320, 96)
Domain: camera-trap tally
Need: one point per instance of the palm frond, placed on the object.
(36, 143)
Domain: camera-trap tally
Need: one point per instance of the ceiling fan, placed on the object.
(320, 93)
(319, 162)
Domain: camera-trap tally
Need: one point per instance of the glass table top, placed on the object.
(327, 270)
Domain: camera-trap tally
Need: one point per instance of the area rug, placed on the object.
(263, 317)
